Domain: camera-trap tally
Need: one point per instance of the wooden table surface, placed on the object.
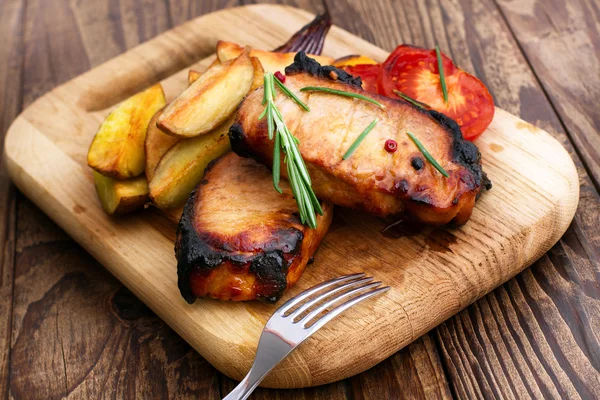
(68, 328)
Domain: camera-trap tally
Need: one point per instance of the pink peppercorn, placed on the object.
(391, 146)
(280, 76)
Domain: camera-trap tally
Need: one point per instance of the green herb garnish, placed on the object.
(284, 140)
(291, 94)
(428, 156)
(441, 70)
(359, 139)
(342, 93)
(411, 100)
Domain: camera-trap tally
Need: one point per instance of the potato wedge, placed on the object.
(120, 197)
(183, 165)
(210, 100)
(353, 59)
(156, 145)
(118, 147)
(271, 61)
(193, 76)
(259, 74)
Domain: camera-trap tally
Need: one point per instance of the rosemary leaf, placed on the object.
(441, 70)
(276, 163)
(359, 139)
(342, 93)
(293, 178)
(412, 101)
(315, 201)
(291, 94)
(428, 156)
(262, 115)
(309, 210)
(269, 121)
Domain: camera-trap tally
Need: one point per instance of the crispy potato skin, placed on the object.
(259, 74)
(371, 179)
(118, 147)
(121, 197)
(156, 145)
(182, 166)
(193, 76)
(238, 239)
(209, 100)
(271, 61)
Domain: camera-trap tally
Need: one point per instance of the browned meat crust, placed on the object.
(238, 239)
(371, 179)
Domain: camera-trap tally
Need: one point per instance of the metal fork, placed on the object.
(284, 331)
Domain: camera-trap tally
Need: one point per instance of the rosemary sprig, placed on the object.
(359, 139)
(428, 156)
(284, 140)
(411, 100)
(291, 94)
(441, 70)
(342, 93)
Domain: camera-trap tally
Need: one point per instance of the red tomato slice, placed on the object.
(414, 72)
(369, 73)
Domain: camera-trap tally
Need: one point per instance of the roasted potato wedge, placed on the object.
(156, 145)
(183, 165)
(271, 61)
(120, 197)
(193, 76)
(259, 74)
(117, 150)
(257, 81)
(210, 100)
(353, 59)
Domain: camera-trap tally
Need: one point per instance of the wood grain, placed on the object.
(480, 365)
(11, 14)
(561, 41)
(93, 337)
(414, 372)
(435, 270)
(573, 270)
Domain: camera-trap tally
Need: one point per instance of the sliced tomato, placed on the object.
(414, 72)
(369, 73)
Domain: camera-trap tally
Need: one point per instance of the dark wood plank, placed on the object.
(11, 51)
(181, 11)
(333, 391)
(561, 40)
(93, 338)
(415, 372)
(54, 52)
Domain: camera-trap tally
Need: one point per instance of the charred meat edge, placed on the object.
(193, 252)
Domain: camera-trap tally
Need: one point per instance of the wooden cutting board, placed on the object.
(433, 273)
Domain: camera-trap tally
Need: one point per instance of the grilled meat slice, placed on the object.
(238, 239)
(371, 179)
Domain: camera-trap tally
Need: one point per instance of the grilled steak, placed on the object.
(238, 239)
(372, 179)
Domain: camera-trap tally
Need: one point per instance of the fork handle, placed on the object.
(245, 388)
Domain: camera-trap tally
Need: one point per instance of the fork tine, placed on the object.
(328, 293)
(309, 292)
(342, 307)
